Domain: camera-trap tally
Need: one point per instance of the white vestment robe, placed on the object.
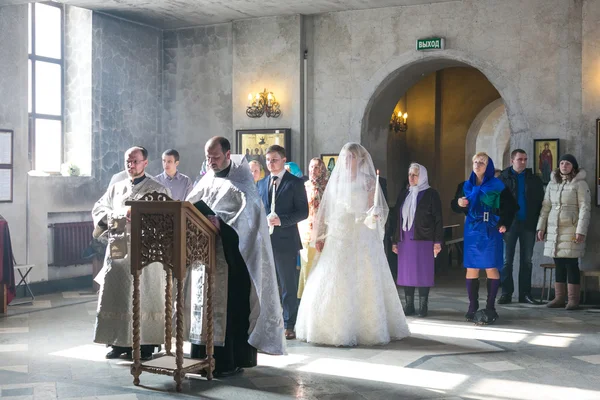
(114, 319)
(235, 200)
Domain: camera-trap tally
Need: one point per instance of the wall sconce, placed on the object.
(263, 103)
(398, 122)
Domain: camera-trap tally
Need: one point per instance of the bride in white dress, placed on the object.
(350, 297)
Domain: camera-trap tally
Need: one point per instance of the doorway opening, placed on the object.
(454, 111)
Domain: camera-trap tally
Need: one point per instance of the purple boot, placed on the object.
(489, 315)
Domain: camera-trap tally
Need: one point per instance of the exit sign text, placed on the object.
(430, 44)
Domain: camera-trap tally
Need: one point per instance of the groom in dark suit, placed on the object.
(291, 207)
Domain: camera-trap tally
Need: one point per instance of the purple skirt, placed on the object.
(416, 265)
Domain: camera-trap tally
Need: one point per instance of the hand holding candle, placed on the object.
(376, 197)
(272, 215)
(372, 215)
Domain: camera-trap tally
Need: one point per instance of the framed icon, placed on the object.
(253, 143)
(546, 156)
(330, 160)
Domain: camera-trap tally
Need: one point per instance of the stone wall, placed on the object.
(127, 94)
(126, 76)
(267, 54)
(586, 141)
(13, 115)
(197, 83)
(78, 88)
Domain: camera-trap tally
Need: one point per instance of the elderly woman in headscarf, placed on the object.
(490, 209)
(315, 186)
(417, 238)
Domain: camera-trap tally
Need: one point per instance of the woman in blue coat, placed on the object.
(490, 208)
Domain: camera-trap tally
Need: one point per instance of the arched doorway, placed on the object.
(380, 96)
(489, 132)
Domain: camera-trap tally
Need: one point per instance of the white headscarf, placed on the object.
(410, 203)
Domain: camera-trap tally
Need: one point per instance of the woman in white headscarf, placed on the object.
(350, 298)
(417, 238)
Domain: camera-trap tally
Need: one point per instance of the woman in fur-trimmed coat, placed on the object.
(564, 221)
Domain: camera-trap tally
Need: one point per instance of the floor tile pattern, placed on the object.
(531, 352)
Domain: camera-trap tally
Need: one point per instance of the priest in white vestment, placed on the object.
(114, 319)
(248, 314)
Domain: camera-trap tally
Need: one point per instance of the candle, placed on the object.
(273, 199)
(373, 214)
(376, 197)
(272, 213)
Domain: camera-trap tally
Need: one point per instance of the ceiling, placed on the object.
(173, 14)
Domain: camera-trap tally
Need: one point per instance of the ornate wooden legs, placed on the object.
(169, 311)
(136, 368)
(179, 342)
(209, 321)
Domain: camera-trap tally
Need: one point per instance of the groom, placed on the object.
(291, 207)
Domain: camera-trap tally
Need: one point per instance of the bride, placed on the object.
(350, 298)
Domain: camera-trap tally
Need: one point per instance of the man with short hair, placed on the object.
(291, 207)
(528, 190)
(115, 303)
(246, 307)
(179, 184)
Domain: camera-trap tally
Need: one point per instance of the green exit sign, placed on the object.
(431, 44)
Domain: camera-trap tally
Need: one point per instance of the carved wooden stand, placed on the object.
(175, 234)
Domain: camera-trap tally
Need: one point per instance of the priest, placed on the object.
(247, 311)
(115, 303)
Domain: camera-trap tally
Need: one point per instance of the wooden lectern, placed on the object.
(175, 234)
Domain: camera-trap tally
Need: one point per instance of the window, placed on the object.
(46, 85)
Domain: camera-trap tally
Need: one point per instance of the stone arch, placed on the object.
(489, 132)
(378, 95)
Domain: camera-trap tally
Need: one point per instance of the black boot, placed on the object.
(409, 295)
(473, 292)
(423, 301)
(118, 351)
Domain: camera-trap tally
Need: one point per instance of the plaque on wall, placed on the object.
(6, 165)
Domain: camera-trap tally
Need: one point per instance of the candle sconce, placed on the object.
(398, 122)
(262, 103)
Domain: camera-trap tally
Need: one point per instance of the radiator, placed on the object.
(70, 239)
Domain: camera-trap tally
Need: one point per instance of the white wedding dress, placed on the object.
(350, 297)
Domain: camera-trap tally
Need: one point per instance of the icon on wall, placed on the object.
(330, 160)
(545, 158)
(253, 143)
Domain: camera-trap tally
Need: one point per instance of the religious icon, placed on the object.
(545, 158)
(253, 143)
(329, 160)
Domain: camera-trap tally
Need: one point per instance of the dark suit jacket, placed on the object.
(291, 205)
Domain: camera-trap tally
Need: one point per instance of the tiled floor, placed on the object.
(531, 353)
